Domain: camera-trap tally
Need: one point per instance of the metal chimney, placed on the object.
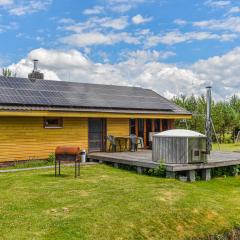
(208, 120)
(35, 74)
(35, 65)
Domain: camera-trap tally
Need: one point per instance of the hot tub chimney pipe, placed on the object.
(209, 120)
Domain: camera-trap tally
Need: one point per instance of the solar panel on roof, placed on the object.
(56, 93)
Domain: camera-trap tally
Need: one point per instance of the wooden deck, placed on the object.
(143, 158)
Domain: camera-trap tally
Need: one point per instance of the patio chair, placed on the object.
(133, 142)
(140, 143)
(112, 143)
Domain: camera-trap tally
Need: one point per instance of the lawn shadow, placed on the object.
(53, 175)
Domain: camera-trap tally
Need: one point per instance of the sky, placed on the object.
(171, 46)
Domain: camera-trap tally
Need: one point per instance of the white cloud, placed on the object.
(175, 37)
(234, 10)
(167, 79)
(229, 24)
(222, 72)
(95, 24)
(122, 6)
(139, 19)
(5, 2)
(117, 23)
(94, 11)
(148, 55)
(66, 21)
(218, 3)
(96, 38)
(22, 7)
(94, 32)
(180, 22)
(10, 26)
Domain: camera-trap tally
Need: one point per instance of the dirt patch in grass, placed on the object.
(231, 235)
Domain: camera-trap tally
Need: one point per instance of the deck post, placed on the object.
(191, 176)
(139, 170)
(170, 174)
(115, 165)
(206, 174)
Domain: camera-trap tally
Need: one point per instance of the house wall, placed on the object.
(117, 127)
(23, 138)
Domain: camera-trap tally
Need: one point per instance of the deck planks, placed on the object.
(143, 158)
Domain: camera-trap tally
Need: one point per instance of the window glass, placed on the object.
(157, 123)
(53, 123)
(132, 126)
(141, 128)
(165, 124)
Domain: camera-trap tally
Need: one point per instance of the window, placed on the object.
(148, 130)
(165, 124)
(196, 155)
(157, 125)
(132, 126)
(53, 123)
(141, 128)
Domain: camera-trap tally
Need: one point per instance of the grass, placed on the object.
(108, 203)
(28, 164)
(229, 147)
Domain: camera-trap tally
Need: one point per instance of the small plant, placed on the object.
(160, 171)
(236, 170)
(225, 171)
(51, 158)
(198, 178)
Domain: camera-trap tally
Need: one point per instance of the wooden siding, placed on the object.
(92, 114)
(23, 138)
(117, 127)
(170, 150)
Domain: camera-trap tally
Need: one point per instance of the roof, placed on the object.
(23, 93)
(179, 133)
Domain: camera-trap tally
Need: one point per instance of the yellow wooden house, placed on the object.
(36, 116)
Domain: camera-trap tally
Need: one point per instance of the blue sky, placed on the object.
(172, 46)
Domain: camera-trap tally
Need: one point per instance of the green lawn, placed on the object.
(107, 203)
(28, 164)
(229, 147)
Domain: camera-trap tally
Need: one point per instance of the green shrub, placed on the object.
(160, 171)
(51, 158)
(225, 171)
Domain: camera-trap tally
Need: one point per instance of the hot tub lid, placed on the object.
(180, 133)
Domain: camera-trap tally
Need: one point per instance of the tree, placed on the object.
(6, 72)
(225, 116)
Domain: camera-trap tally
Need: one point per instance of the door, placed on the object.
(96, 134)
